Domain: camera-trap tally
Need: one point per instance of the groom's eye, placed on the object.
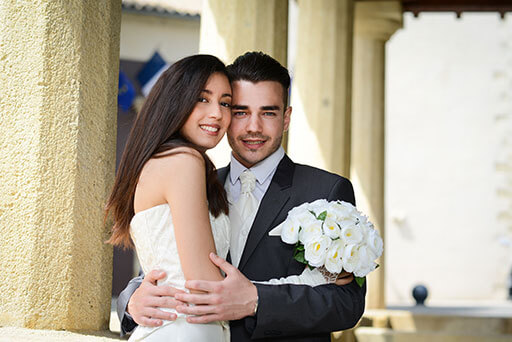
(269, 114)
(239, 113)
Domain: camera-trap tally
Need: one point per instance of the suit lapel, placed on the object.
(271, 205)
(222, 174)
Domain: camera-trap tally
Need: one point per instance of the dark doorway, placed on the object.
(124, 261)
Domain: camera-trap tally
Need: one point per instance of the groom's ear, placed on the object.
(286, 118)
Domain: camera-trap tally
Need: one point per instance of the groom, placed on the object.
(255, 311)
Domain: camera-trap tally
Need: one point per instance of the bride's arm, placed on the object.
(185, 191)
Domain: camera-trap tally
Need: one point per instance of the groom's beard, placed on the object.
(249, 156)
(262, 137)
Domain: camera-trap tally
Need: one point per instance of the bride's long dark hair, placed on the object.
(156, 130)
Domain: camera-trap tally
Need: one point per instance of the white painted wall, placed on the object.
(173, 37)
(449, 158)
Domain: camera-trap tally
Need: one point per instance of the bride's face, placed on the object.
(211, 115)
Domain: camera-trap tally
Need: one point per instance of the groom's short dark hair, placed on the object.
(258, 66)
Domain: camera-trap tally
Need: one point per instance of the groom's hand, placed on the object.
(344, 278)
(145, 301)
(233, 298)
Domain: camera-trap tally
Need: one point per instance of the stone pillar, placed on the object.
(374, 24)
(321, 88)
(230, 28)
(59, 65)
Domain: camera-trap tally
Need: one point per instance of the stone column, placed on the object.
(374, 24)
(58, 91)
(230, 28)
(321, 87)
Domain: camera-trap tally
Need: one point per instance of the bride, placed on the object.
(167, 201)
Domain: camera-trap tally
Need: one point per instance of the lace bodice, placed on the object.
(152, 232)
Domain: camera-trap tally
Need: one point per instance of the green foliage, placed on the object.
(360, 281)
(298, 253)
(322, 215)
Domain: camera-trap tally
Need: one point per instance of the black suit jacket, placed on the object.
(287, 312)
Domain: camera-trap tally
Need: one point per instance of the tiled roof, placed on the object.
(174, 7)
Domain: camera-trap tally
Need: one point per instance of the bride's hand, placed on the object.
(145, 301)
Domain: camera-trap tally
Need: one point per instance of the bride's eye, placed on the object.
(202, 99)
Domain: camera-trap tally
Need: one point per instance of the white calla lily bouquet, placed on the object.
(332, 236)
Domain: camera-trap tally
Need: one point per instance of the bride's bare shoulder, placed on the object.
(178, 151)
(178, 158)
(177, 170)
(175, 162)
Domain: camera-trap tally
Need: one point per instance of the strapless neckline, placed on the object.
(151, 209)
(152, 231)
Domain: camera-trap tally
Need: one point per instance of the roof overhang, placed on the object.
(457, 6)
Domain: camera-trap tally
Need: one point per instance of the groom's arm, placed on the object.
(287, 310)
(125, 319)
(282, 310)
(140, 301)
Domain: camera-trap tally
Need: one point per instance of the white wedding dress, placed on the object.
(152, 232)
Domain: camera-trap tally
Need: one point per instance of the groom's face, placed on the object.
(258, 120)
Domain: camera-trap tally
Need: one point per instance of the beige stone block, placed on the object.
(378, 318)
(344, 336)
(451, 324)
(407, 321)
(13, 334)
(365, 334)
(58, 91)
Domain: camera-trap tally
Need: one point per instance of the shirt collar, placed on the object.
(261, 171)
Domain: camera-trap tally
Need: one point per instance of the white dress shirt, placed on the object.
(263, 171)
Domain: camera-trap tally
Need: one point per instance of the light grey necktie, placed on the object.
(241, 220)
